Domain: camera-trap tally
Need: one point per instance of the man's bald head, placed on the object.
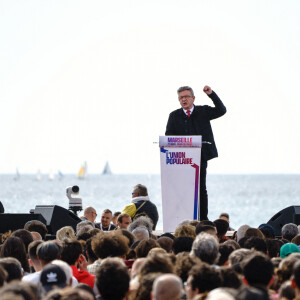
(167, 287)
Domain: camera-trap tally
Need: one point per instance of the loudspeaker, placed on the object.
(290, 214)
(17, 221)
(57, 217)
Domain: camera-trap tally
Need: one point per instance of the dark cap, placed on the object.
(53, 276)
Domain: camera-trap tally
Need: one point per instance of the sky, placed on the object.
(95, 81)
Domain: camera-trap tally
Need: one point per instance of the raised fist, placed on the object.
(207, 90)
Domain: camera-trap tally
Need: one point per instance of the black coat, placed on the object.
(198, 124)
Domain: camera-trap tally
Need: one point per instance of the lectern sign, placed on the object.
(180, 167)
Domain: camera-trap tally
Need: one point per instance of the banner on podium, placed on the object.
(180, 158)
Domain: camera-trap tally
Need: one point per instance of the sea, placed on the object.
(248, 199)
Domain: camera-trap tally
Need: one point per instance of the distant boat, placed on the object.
(51, 176)
(83, 171)
(38, 175)
(106, 170)
(17, 176)
(60, 175)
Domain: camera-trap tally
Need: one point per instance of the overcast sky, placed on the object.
(95, 81)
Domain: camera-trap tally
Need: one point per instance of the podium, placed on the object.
(180, 158)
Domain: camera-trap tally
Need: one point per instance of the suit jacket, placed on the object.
(198, 124)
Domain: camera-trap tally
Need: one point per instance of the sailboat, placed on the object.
(82, 173)
(60, 175)
(106, 170)
(38, 176)
(51, 175)
(17, 176)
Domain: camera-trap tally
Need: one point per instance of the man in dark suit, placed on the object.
(195, 120)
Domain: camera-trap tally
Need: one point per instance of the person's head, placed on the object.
(250, 232)
(225, 251)
(48, 251)
(296, 240)
(221, 226)
(182, 244)
(14, 247)
(71, 251)
(202, 278)
(112, 273)
(128, 235)
(37, 226)
(230, 278)
(287, 249)
(206, 228)
(115, 217)
(25, 236)
(19, 291)
(157, 263)
(142, 221)
(66, 232)
(258, 270)
(106, 218)
(33, 259)
(145, 246)
(273, 247)
(66, 268)
(139, 190)
(144, 286)
(90, 213)
(236, 257)
(206, 247)
(186, 97)
(123, 221)
(165, 243)
(296, 276)
(141, 233)
(256, 243)
(90, 225)
(185, 230)
(13, 268)
(110, 244)
(267, 230)
(36, 236)
(241, 232)
(167, 287)
(224, 216)
(233, 244)
(53, 276)
(289, 231)
(184, 263)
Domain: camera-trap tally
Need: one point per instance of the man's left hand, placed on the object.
(207, 90)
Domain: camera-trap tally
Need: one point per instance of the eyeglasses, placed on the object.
(93, 212)
(187, 97)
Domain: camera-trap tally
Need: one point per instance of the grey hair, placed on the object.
(167, 286)
(185, 88)
(289, 231)
(141, 233)
(206, 247)
(184, 222)
(141, 221)
(83, 224)
(241, 232)
(238, 255)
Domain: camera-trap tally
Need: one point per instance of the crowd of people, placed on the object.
(122, 257)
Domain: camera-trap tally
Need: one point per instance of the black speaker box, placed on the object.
(290, 214)
(57, 217)
(17, 221)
